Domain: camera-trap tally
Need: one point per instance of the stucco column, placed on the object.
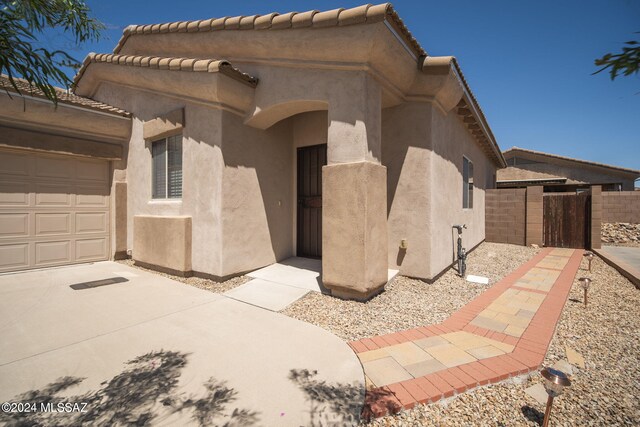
(596, 216)
(354, 191)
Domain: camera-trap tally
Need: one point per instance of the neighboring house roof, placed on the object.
(513, 151)
(536, 181)
(174, 64)
(64, 96)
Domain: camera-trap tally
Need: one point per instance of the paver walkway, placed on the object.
(504, 332)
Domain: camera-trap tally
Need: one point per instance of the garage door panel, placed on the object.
(47, 253)
(13, 193)
(92, 171)
(54, 167)
(14, 164)
(92, 196)
(52, 223)
(14, 256)
(53, 194)
(91, 249)
(91, 222)
(14, 225)
(54, 210)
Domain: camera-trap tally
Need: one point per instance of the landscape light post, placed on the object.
(554, 383)
(585, 282)
(589, 256)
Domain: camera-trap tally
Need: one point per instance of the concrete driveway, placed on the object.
(153, 350)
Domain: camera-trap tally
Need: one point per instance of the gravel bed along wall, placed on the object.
(407, 303)
(206, 284)
(620, 234)
(606, 393)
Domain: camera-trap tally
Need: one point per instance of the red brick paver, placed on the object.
(529, 348)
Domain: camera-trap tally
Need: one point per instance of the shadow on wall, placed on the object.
(142, 394)
(266, 158)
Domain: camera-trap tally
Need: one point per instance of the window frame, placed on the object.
(468, 184)
(166, 197)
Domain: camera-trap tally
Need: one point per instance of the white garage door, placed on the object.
(54, 210)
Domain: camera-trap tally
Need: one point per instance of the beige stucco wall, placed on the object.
(256, 195)
(406, 153)
(237, 184)
(423, 150)
(202, 169)
(451, 141)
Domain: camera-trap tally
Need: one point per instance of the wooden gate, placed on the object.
(566, 220)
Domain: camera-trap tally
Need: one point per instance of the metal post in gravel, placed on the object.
(554, 382)
(589, 256)
(585, 282)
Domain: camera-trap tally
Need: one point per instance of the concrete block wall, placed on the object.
(534, 234)
(505, 218)
(621, 206)
(596, 216)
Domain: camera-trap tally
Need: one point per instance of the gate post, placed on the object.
(534, 216)
(596, 216)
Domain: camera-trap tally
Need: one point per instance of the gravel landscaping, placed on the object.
(407, 303)
(206, 284)
(604, 394)
(620, 234)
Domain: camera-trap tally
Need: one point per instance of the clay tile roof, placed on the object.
(169, 63)
(515, 150)
(64, 96)
(365, 14)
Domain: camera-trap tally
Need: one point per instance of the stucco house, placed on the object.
(219, 146)
(561, 174)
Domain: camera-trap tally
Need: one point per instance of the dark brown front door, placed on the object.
(310, 162)
(566, 220)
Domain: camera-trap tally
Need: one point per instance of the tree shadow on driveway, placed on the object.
(142, 394)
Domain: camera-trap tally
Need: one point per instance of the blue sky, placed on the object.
(528, 63)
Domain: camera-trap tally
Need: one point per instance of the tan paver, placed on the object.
(373, 355)
(407, 353)
(385, 371)
(562, 252)
(431, 342)
(491, 324)
(450, 355)
(425, 368)
(574, 357)
(485, 352)
(556, 263)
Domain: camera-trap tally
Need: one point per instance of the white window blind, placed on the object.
(167, 168)
(174, 167)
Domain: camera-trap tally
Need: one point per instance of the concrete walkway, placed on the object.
(144, 347)
(504, 332)
(279, 285)
(624, 259)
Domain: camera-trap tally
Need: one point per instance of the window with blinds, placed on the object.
(467, 183)
(167, 168)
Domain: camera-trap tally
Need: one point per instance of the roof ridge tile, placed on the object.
(168, 63)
